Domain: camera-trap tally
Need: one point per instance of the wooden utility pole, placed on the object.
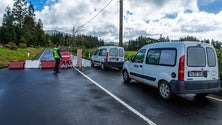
(121, 24)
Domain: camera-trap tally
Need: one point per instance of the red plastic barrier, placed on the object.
(66, 56)
(47, 64)
(16, 64)
(65, 64)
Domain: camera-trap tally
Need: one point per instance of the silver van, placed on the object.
(108, 56)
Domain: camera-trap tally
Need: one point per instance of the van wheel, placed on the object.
(120, 68)
(126, 77)
(92, 64)
(102, 66)
(164, 90)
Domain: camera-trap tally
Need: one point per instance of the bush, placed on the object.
(74, 49)
(86, 53)
(23, 45)
(11, 46)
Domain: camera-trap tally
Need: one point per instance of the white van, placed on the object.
(108, 56)
(175, 68)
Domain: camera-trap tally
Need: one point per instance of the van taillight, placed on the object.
(107, 56)
(181, 68)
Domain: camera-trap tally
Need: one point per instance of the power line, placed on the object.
(96, 14)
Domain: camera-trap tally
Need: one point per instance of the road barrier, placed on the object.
(79, 58)
(66, 60)
(47, 64)
(16, 64)
(30, 64)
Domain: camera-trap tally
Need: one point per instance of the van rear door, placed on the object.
(201, 62)
(116, 54)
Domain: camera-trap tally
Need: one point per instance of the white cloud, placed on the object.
(3, 5)
(173, 18)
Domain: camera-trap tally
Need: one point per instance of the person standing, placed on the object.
(57, 57)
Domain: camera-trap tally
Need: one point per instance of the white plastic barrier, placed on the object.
(32, 64)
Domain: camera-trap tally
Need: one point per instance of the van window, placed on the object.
(211, 57)
(121, 52)
(102, 52)
(139, 57)
(113, 52)
(97, 52)
(196, 56)
(163, 56)
(153, 56)
(168, 57)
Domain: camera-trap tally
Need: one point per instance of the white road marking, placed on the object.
(216, 99)
(119, 100)
(42, 55)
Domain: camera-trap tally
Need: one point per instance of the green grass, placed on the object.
(19, 54)
(129, 54)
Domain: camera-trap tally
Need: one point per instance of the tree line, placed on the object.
(79, 40)
(20, 28)
(134, 45)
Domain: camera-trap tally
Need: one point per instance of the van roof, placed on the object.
(110, 47)
(175, 44)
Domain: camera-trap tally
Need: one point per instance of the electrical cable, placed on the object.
(96, 14)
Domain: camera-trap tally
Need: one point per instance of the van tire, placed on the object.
(126, 77)
(165, 91)
(92, 64)
(102, 66)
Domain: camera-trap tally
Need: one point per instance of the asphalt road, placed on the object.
(182, 110)
(47, 55)
(39, 97)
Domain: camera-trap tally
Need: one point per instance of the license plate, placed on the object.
(197, 74)
(113, 59)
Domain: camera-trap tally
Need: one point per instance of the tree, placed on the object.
(8, 33)
(19, 13)
(189, 38)
(28, 30)
(139, 42)
(75, 30)
(19, 26)
(40, 35)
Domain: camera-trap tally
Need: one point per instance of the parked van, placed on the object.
(175, 68)
(108, 56)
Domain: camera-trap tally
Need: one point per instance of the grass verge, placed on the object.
(129, 54)
(19, 54)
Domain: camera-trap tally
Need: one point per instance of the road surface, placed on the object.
(91, 96)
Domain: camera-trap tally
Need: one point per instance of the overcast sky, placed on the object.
(173, 18)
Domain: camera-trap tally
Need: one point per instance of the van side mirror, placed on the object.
(130, 59)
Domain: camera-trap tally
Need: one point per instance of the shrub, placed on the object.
(11, 46)
(86, 53)
(23, 45)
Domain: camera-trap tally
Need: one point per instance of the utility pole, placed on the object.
(121, 24)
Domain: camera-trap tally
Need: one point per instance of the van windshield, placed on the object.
(196, 57)
(113, 52)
